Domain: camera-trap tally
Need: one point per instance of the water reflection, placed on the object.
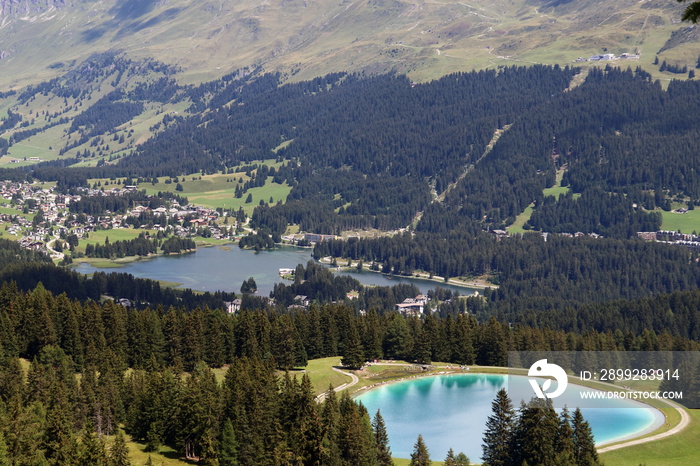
(225, 268)
(450, 411)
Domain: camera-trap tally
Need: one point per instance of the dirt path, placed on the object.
(354, 380)
(685, 420)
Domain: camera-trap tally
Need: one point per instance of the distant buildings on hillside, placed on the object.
(609, 57)
(674, 237)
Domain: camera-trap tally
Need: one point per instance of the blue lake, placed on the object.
(450, 411)
(225, 268)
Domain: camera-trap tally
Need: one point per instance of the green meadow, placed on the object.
(117, 234)
(686, 223)
(517, 226)
(677, 450)
(215, 190)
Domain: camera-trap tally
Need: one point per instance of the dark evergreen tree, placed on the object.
(535, 434)
(397, 341)
(353, 355)
(499, 431)
(119, 452)
(382, 440)
(4, 458)
(456, 460)
(420, 455)
(228, 446)
(564, 445)
(92, 450)
(585, 453)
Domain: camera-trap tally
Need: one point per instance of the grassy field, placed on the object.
(322, 375)
(215, 190)
(517, 226)
(556, 191)
(686, 223)
(226, 199)
(165, 456)
(13, 211)
(678, 450)
(117, 234)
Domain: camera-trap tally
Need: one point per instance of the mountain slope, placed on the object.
(308, 38)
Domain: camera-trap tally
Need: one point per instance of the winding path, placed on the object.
(685, 420)
(685, 417)
(354, 380)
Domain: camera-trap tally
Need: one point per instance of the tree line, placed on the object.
(89, 331)
(533, 273)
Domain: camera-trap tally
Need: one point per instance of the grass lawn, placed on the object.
(321, 373)
(686, 223)
(165, 456)
(201, 241)
(556, 191)
(680, 449)
(13, 211)
(225, 198)
(117, 234)
(517, 226)
(406, 462)
(215, 191)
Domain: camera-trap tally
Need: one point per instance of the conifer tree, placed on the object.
(450, 459)
(92, 449)
(456, 460)
(285, 342)
(228, 449)
(420, 455)
(585, 453)
(4, 458)
(356, 439)
(119, 453)
(421, 350)
(60, 440)
(11, 379)
(398, 343)
(564, 445)
(499, 431)
(353, 356)
(536, 433)
(330, 420)
(382, 438)
(306, 442)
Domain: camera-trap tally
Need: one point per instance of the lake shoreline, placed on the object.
(222, 267)
(657, 425)
(477, 283)
(451, 370)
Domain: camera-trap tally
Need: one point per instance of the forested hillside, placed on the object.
(449, 159)
(535, 181)
(255, 416)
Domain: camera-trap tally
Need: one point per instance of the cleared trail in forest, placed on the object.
(441, 197)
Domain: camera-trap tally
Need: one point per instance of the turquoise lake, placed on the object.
(225, 268)
(450, 411)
